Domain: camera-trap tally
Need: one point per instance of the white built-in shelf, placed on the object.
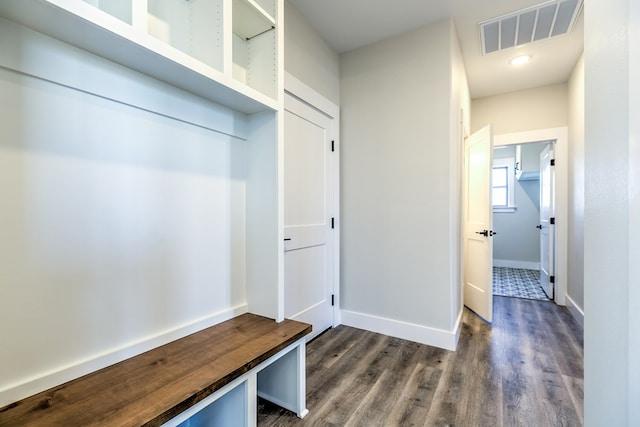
(250, 19)
(178, 42)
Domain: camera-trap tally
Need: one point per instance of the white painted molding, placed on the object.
(575, 311)
(514, 263)
(307, 94)
(76, 369)
(458, 328)
(404, 330)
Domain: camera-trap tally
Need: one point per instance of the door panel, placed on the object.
(305, 170)
(546, 228)
(305, 268)
(478, 219)
(308, 280)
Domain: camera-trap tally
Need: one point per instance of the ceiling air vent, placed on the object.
(549, 19)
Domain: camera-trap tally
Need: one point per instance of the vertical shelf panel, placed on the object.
(193, 27)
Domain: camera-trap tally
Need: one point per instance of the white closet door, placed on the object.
(308, 279)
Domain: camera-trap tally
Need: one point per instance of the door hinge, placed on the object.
(552, 221)
(333, 223)
(333, 300)
(553, 162)
(333, 146)
(552, 279)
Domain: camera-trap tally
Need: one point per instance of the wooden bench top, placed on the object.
(153, 387)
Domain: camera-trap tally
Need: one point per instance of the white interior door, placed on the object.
(478, 222)
(308, 263)
(547, 242)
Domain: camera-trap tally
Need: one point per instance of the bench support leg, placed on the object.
(252, 400)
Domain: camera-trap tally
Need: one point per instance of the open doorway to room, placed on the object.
(521, 241)
(540, 171)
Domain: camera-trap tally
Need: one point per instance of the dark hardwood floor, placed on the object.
(524, 370)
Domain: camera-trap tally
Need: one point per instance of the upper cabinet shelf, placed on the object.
(250, 19)
(185, 43)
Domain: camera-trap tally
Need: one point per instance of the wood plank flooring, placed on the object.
(524, 370)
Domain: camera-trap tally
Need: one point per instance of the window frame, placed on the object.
(509, 164)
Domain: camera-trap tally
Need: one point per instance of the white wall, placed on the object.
(611, 235)
(121, 227)
(308, 57)
(400, 177)
(634, 211)
(575, 285)
(539, 108)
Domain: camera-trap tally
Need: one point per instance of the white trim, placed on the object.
(508, 209)
(560, 136)
(575, 311)
(309, 96)
(457, 328)
(404, 330)
(43, 381)
(514, 263)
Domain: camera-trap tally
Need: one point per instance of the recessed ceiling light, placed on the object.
(520, 60)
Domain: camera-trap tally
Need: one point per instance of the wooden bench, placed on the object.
(214, 374)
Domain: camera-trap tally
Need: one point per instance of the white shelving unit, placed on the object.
(186, 43)
(230, 54)
(528, 161)
(226, 51)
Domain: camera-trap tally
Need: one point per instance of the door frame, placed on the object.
(561, 137)
(315, 100)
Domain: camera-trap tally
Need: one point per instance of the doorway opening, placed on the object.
(529, 257)
(519, 246)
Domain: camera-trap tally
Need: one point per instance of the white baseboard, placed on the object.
(404, 330)
(44, 381)
(575, 311)
(512, 263)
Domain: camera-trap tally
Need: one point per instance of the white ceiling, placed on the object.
(349, 24)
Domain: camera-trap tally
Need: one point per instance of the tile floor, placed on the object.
(517, 282)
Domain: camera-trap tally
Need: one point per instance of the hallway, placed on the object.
(520, 371)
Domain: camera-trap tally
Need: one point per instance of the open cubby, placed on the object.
(191, 26)
(120, 9)
(229, 410)
(254, 45)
